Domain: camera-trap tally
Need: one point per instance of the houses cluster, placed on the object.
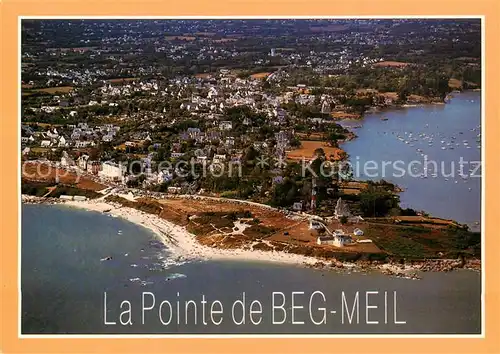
(337, 238)
(70, 136)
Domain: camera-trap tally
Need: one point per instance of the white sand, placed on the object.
(182, 244)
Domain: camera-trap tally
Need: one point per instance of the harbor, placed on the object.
(439, 149)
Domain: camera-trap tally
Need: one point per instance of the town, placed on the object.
(244, 110)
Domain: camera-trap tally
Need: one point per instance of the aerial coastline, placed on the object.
(183, 245)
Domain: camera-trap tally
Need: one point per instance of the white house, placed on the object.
(62, 142)
(338, 239)
(212, 92)
(226, 125)
(326, 107)
(219, 158)
(45, 143)
(66, 160)
(111, 170)
(52, 135)
(82, 161)
(325, 240)
(315, 225)
(358, 232)
(107, 138)
(83, 144)
(164, 176)
(174, 190)
(48, 109)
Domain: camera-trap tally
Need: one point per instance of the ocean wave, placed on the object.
(175, 276)
(169, 262)
(157, 244)
(156, 267)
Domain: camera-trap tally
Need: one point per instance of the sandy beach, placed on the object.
(182, 244)
(184, 247)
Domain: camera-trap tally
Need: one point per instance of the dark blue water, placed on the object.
(64, 281)
(445, 190)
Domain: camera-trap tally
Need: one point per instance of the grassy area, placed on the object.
(307, 149)
(144, 205)
(39, 150)
(260, 75)
(122, 79)
(207, 222)
(70, 190)
(403, 247)
(421, 242)
(38, 189)
(390, 64)
(55, 90)
(259, 231)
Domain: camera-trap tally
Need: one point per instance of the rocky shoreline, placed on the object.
(412, 270)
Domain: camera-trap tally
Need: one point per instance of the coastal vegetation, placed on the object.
(53, 190)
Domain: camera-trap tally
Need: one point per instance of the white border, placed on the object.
(483, 184)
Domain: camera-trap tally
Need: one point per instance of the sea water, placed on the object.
(445, 134)
(65, 278)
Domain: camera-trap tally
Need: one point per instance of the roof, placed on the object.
(326, 238)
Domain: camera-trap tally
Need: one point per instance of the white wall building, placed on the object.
(111, 170)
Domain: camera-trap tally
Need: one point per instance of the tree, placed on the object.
(284, 193)
(403, 95)
(343, 219)
(319, 152)
(376, 202)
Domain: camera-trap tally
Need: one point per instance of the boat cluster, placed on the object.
(425, 140)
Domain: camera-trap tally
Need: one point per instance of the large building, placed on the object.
(112, 171)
